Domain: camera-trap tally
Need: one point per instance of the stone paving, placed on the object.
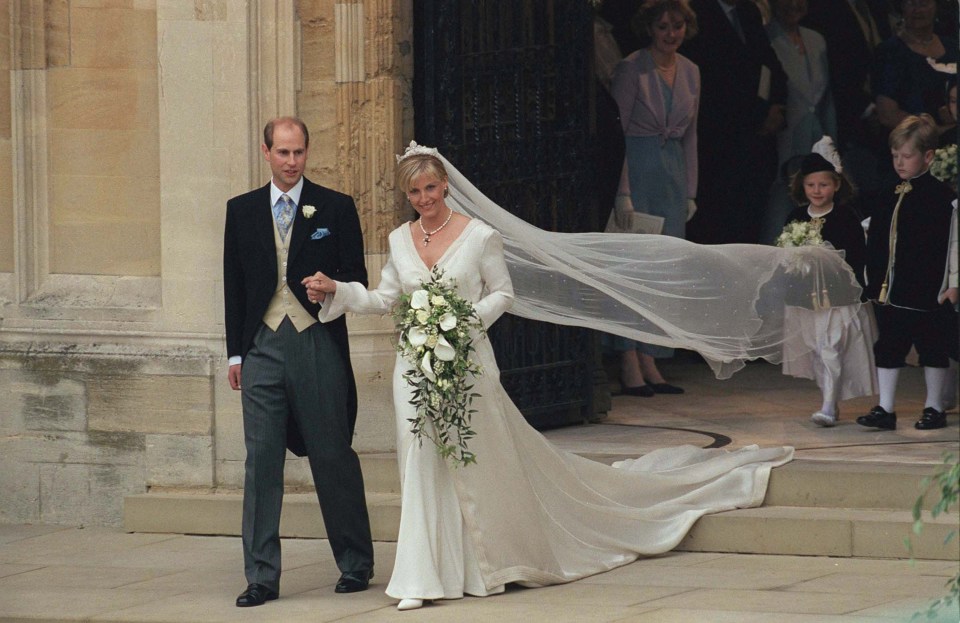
(58, 573)
(53, 573)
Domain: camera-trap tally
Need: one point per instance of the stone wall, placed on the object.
(124, 128)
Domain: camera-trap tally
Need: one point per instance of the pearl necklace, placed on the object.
(427, 234)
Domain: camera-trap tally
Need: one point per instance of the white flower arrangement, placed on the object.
(944, 165)
(309, 211)
(435, 326)
(800, 234)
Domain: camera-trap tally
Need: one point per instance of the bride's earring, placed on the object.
(446, 191)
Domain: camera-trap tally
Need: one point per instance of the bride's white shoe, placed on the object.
(409, 604)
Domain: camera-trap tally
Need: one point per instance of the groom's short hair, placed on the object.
(295, 121)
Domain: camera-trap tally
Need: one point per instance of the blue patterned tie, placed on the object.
(283, 212)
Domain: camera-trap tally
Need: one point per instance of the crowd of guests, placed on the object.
(720, 103)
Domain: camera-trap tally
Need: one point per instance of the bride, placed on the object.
(527, 512)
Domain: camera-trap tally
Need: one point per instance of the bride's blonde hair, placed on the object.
(415, 165)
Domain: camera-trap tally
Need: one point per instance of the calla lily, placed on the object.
(443, 350)
(420, 299)
(427, 369)
(417, 337)
(448, 321)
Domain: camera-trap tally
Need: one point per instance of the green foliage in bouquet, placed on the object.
(436, 328)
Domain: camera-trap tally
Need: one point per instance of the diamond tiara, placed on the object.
(417, 150)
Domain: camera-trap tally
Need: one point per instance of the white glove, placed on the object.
(691, 209)
(622, 211)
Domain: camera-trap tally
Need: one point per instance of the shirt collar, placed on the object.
(812, 215)
(293, 193)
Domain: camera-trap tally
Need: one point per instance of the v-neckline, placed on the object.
(453, 243)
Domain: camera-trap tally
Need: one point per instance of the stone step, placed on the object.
(843, 509)
(219, 513)
(817, 531)
(838, 484)
(793, 530)
(829, 484)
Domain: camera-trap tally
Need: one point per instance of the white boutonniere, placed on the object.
(309, 211)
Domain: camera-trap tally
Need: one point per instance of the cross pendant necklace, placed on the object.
(427, 234)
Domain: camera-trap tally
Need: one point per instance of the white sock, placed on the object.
(936, 379)
(949, 399)
(888, 378)
(829, 407)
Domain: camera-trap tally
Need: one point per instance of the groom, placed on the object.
(294, 373)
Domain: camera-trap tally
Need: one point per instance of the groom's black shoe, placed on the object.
(255, 595)
(879, 418)
(354, 581)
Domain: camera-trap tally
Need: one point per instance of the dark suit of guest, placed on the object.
(296, 373)
(850, 55)
(737, 164)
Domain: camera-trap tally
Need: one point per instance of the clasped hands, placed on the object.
(318, 286)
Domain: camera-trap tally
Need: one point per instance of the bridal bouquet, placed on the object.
(944, 165)
(796, 235)
(434, 327)
(799, 234)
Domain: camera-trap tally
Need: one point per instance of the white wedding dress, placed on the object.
(527, 512)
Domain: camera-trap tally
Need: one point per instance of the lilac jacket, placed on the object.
(639, 93)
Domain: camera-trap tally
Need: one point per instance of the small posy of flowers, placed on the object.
(309, 211)
(434, 326)
(944, 165)
(799, 234)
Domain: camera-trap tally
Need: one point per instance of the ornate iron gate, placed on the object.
(504, 89)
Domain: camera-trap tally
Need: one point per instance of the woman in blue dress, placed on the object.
(658, 92)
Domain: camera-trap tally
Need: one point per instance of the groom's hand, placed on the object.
(318, 286)
(233, 375)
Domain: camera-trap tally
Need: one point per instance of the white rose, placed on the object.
(432, 341)
(422, 316)
(438, 301)
(309, 211)
(420, 299)
(443, 350)
(417, 337)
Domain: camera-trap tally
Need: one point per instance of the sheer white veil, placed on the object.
(725, 302)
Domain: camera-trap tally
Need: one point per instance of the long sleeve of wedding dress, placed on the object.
(495, 299)
(353, 296)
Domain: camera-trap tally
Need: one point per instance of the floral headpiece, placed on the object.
(823, 157)
(417, 150)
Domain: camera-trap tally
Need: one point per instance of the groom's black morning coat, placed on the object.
(250, 267)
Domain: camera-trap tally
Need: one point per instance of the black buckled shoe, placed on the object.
(931, 419)
(354, 581)
(879, 418)
(255, 595)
